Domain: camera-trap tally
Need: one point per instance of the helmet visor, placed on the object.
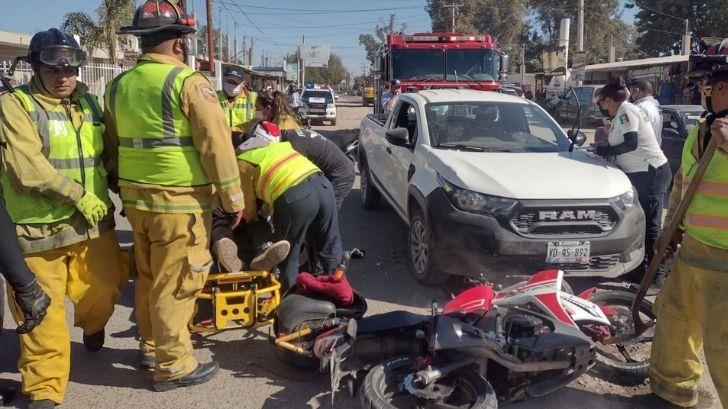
(62, 56)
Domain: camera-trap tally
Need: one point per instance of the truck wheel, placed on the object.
(333, 122)
(420, 251)
(370, 196)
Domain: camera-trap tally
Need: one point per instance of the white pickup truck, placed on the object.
(490, 184)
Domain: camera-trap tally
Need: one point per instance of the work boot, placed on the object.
(654, 401)
(201, 374)
(148, 361)
(226, 252)
(94, 342)
(42, 404)
(270, 255)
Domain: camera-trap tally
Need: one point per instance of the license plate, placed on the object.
(576, 252)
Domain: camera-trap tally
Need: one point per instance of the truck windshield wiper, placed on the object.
(462, 146)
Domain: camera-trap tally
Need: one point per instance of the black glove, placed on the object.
(34, 303)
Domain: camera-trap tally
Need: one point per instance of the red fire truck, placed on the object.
(438, 60)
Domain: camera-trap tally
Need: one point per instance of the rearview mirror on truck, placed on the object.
(504, 59)
(398, 136)
(577, 137)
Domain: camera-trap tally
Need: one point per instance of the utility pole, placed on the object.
(219, 38)
(250, 52)
(210, 39)
(455, 8)
(235, 42)
(523, 65)
(686, 38)
(580, 28)
(303, 62)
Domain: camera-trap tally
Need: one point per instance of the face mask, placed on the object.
(259, 115)
(231, 90)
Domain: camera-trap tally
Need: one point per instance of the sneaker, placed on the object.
(270, 255)
(201, 374)
(226, 252)
(94, 342)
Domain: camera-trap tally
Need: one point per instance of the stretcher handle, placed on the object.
(668, 235)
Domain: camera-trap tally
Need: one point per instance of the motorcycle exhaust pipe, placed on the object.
(430, 375)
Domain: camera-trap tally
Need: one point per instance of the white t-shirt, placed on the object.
(651, 108)
(630, 118)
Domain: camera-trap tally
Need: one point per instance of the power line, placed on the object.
(319, 11)
(663, 13)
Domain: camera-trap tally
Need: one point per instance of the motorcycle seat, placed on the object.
(296, 308)
(389, 321)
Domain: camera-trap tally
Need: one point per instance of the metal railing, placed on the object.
(95, 75)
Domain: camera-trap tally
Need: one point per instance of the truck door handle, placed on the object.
(389, 150)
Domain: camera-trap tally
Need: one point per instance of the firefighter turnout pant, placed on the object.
(91, 273)
(691, 313)
(172, 261)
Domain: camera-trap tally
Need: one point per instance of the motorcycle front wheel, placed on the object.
(384, 388)
(633, 357)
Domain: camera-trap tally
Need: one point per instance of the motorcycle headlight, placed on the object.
(474, 202)
(625, 200)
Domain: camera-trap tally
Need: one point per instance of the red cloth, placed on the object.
(339, 290)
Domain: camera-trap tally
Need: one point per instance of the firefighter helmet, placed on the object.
(54, 48)
(157, 16)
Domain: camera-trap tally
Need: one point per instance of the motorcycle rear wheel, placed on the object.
(383, 388)
(631, 360)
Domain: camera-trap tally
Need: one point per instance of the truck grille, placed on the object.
(604, 262)
(564, 221)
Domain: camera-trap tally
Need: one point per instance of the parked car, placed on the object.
(677, 121)
(587, 96)
(490, 183)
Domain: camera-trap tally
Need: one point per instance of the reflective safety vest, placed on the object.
(241, 111)
(155, 137)
(281, 168)
(707, 215)
(74, 154)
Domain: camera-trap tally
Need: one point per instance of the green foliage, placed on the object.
(658, 33)
(110, 16)
(372, 42)
(332, 75)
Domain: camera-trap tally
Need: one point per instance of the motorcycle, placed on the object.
(485, 346)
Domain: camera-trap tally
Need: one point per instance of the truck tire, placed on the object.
(420, 245)
(333, 122)
(370, 196)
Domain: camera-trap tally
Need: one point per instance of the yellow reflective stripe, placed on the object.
(151, 206)
(229, 182)
(713, 222)
(265, 179)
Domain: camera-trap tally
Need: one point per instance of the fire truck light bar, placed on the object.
(431, 39)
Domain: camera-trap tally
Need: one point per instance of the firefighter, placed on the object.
(175, 161)
(299, 196)
(236, 99)
(55, 190)
(693, 304)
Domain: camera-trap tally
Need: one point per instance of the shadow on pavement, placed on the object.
(109, 367)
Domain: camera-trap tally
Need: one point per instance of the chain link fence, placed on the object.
(95, 75)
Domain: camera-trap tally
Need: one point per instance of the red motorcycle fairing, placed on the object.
(545, 287)
(478, 298)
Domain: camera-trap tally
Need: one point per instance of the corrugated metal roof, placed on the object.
(670, 59)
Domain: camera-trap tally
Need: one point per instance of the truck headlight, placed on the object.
(625, 200)
(330, 106)
(474, 202)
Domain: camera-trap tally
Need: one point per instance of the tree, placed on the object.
(202, 44)
(504, 20)
(110, 16)
(372, 42)
(602, 21)
(659, 33)
(332, 74)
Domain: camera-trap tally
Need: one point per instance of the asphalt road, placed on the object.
(250, 377)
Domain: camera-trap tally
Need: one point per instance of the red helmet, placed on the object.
(713, 59)
(156, 16)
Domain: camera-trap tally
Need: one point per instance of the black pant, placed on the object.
(342, 189)
(308, 210)
(12, 263)
(651, 188)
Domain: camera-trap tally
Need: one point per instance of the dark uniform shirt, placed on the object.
(323, 153)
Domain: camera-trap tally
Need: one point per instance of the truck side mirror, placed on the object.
(398, 136)
(504, 60)
(670, 133)
(577, 137)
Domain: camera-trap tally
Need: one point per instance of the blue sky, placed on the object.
(337, 23)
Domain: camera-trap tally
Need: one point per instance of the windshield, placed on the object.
(472, 65)
(494, 127)
(690, 118)
(418, 65)
(317, 97)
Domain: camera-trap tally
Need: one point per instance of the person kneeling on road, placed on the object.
(299, 196)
